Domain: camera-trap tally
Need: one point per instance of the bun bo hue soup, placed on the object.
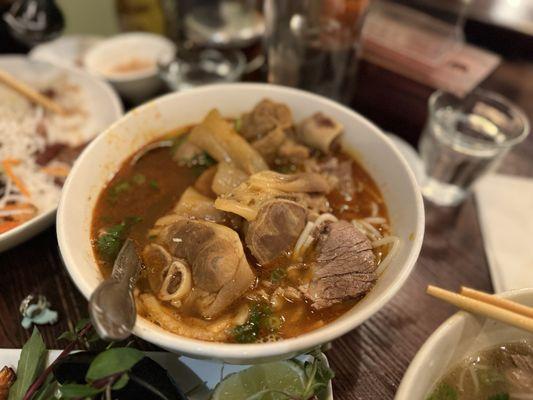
(250, 230)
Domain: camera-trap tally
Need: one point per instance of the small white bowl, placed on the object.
(104, 156)
(136, 84)
(460, 336)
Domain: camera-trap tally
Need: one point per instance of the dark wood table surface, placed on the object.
(369, 361)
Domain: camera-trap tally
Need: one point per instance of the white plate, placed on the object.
(196, 376)
(104, 108)
(66, 51)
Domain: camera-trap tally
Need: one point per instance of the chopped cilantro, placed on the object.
(153, 184)
(444, 392)
(119, 188)
(285, 168)
(110, 242)
(278, 275)
(177, 142)
(200, 163)
(500, 396)
(260, 318)
(238, 124)
(139, 179)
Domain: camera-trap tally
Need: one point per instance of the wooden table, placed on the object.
(371, 360)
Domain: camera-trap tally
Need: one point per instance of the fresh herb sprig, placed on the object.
(102, 370)
(259, 319)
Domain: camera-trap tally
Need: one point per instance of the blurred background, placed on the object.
(406, 48)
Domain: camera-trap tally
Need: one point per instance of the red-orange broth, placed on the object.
(151, 188)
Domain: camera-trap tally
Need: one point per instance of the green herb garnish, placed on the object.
(116, 190)
(444, 392)
(138, 179)
(31, 364)
(278, 275)
(260, 318)
(153, 184)
(285, 168)
(238, 124)
(500, 396)
(177, 142)
(110, 242)
(200, 163)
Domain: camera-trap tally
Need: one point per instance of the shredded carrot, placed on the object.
(16, 206)
(7, 225)
(7, 164)
(56, 171)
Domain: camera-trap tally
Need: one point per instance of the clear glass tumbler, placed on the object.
(465, 138)
(314, 44)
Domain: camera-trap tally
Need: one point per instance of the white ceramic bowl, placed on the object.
(103, 106)
(104, 156)
(462, 335)
(135, 85)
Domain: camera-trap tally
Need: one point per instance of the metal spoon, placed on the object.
(112, 306)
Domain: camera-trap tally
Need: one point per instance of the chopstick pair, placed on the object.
(30, 93)
(474, 301)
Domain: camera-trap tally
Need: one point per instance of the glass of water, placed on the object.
(465, 138)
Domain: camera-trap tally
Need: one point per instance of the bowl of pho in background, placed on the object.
(464, 359)
(368, 145)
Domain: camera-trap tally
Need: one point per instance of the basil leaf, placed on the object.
(47, 390)
(113, 361)
(67, 335)
(121, 382)
(31, 364)
(75, 390)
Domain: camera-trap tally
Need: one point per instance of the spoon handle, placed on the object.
(127, 265)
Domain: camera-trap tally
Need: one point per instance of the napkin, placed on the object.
(505, 206)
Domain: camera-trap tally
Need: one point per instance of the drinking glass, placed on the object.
(465, 138)
(314, 44)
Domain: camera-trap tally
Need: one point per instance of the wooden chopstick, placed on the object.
(482, 308)
(30, 93)
(497, 301)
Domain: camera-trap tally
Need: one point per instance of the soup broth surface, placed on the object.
(141, 192)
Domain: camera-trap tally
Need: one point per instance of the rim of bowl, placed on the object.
(515, 110)
(117, 106)
(115, 41)
(419, 361)
(205, 349)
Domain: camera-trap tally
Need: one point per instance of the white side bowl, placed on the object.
(105, 155)
(462, 335)
(134, 85)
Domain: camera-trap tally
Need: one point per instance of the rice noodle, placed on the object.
(301, 240)
(375, 220)
(474, 379)
(462, 380)
(306, 238)
(374, 209)
(394, 243)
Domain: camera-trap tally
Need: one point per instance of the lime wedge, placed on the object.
(286, 376)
